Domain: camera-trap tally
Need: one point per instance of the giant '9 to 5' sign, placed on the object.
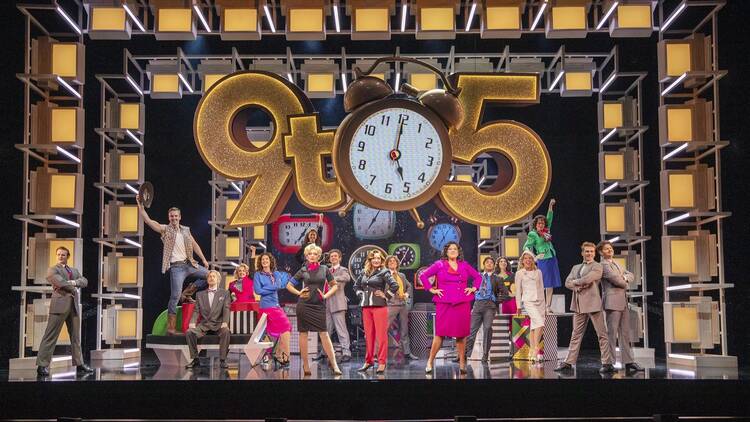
(297, 149)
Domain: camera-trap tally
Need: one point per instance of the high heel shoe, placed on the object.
(380, 370)
(365, 367)
(337, 372)
(462, 371)
(428, 369)
(282, 363)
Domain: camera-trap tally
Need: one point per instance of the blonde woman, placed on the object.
(371, 287)
(400, 304)
(530, 294)
(311, 309)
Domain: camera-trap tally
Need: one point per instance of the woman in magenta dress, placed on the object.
(453, 293)
(242, 286)
(267, 282)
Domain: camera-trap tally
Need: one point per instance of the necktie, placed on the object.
(485, 282)
(70, 273)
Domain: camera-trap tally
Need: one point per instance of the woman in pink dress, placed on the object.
(267, 282)
(242, 286)
(453, 293)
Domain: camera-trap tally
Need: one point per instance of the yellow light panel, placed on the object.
(464, 178)
(129, 167)
(306, 20)
(683, 256)
(232, 247)
(209, 80)
(128, 219)
(423, 81)
(127, 323)
(228, 278)
(371, 20)
(56, 243)
(437, 18)
(65, 60)
(685, 324)
(615, 218)
(511, 247)
(64, 124)
(259, 232)
(175, 20)
(622, 262)
(634, 16)
(568, 17)
(678, 58)
(485, 232)
(320, 82)
(503, 17)
(240, 20)
(578, 81)
(127, 270)
(679, 125)
(614, 166)
(62, 191)
(681, 190)
(482, 258)
(231, 206)
(612, 115)
(130, 116)
(108, 19)
(165, 83)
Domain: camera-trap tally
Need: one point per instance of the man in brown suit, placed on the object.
(212, 305)
(615, 281)
(583, 280)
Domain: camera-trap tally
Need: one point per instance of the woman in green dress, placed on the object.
(540, 242)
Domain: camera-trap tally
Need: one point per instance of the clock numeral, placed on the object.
(428, 143)
(373, 179)
(370, 130)
(421, 177)
(419, 128)
(362, 164)
(432, 159)
(407, 187)
(385, 120)
(361, 146)
(403, 118)
(388, 188)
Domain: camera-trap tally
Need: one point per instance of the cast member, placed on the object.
(312, 237)
(507, 277)
(540, 242)
(399, 304)
(337, 304)
(485, 308)
(267, 281)
(242, 286)
(530, 294)
(212, 305)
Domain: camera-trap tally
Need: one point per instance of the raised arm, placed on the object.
(155, 226)
(294, 282)
(550, 212)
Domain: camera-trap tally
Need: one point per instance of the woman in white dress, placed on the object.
(530, 294)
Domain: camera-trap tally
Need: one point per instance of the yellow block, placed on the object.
(127, 323)
(614, 216)
(175, 20)
(681, 190)
(568, 17)
(62, 191)
(130, 167)
(127, 270)
(65, 60)
(228, 278)
(306, 20)
(485, 232)
(683, 256)
(614, 166)
(578, 81)
(130, 116)
(231, 206)
(209, 80)
(259, 232)
(371, 20)
(679, 125)
(503, 17)
(320, 82)
(64, 124)
(240, 20)
(128, 219)
(622, 262)
(464, 178)
(108, 19)
(437, 18)
(423, 81)
(482, 257)
(56, 243)
(511, 247)
(685, 324)
(233, 247)
(612, 115)
(678, 58)
(165, 83)
(634, 16)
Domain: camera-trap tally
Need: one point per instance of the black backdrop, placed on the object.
(568, 127)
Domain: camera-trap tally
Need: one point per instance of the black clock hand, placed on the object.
(301, 236)
(400, 170)
(373, 219)
(443, 238)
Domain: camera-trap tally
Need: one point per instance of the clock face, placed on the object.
(358, 257)
(407, 254)
(392, 154)
(288, 232)
(417, 282)
(292, 233)
(442, 233)
(370, 223)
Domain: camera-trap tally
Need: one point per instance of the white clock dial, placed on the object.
(371, 223)
(396, 154)
(293, 233)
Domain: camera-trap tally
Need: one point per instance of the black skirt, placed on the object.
(311, 317)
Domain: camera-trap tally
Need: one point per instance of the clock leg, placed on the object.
(348, 206)
(415, 215)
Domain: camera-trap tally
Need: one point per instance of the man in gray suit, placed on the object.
(615, 280)
(336, 305)
(583, 280)
(399, 305)
(212, 305)
(63, 308)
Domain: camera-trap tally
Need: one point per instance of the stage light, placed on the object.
(501, 18)
(134, 85)
(67, 86)
(690, 122)
(611, 115)
(614, 166)
(403, 16)
(174, 20)
(371, 19)
(512, 246)
(167, 79)
(133, 137)
(675, 152)
(485, 232)
(557, 79)
(471, 16)
(258, 233)
(472, 65)
(289, 77)
(235, 187)
(320, 78)
(695, 322)
(52, 61)
(231, 205)
(614, 239)
(567, 19)
(419, 77)
(305, 19)
(66, 221)
(133, 17)
(108, 23)
(69, 155)
(269, 19)
(70, 21)
(633, 18)
(131, 188)
(539, 15)
(336, 18)
(608, 136)
(343, 81)
(606, 16)
(679, 256)
(201, 18)
(578, 80)
(132, 116)
(676, 219)
(673, 16)
(132, 242)
(227, 247)
(121, 324)
(674, 84)
(58, 125)
(691, 189)
(680, 190)
(185, 82)
(436, 19)
(619, 218)
(131, 167)
(122, 271)
(128, 220)
(614, 217)
(63, 189)
(239, 20)
(55, 193)
(397, 85)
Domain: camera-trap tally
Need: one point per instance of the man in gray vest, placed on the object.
(63, 308)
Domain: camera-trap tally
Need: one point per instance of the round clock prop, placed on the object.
(358, 258)
(288, 231)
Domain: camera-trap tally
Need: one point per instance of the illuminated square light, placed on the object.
(64, 122)
(679, 124)
(568, 17)
(577, 81)
(108, 19)
(511, 247)
(62, 191)
(612, 115)
(634, 16)
(482, 257)
(130, 169)
(485, 232)
(437, 19)
(240, 20)
(503, 18)
(682, 256)
(614, 217)
(614, 166)
(127, 323)
(371, 20)
(320, 82)
(681, 193)
(65, 59)
(127, 270)
(259, 232)
(685, 324)
(306, 20)
(464, 178)
(678, 58)
(175, 20)
(130, 116)
(210, 79)
(232, 247)
(423, 81)
(231, 206)
(127, 221)
(165, 83)
(56, 243)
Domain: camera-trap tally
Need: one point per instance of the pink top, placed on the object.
(451, 282)
(247, 294)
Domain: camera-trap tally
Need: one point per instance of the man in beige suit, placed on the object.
(615, 281)
(337, 304)
(583, 280)
(212, 305)
(63, 309)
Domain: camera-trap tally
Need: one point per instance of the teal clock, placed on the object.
(408, 254)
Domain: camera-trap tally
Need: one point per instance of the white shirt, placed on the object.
(211, 294)
(178, 251)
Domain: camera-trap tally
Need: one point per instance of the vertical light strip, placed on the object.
(134, 18)
(343, 81)
(557, 79)
(471, 16)
(185, 82)
(268, 18)
(607, 15)
(403, 17)
(289, 76)
(69, 20)
(398, 81)
(336, 18)
(539, 15)
(134, 85)
(201, 17)
(133, 137)
(68, 154)
(673, 16)
(68, 87)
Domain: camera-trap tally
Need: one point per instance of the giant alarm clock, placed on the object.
(393, 151)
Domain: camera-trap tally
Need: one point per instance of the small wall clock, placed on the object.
(408, 254)
(371, 223)
(288, 231)
(358, 257)
(442, 233)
